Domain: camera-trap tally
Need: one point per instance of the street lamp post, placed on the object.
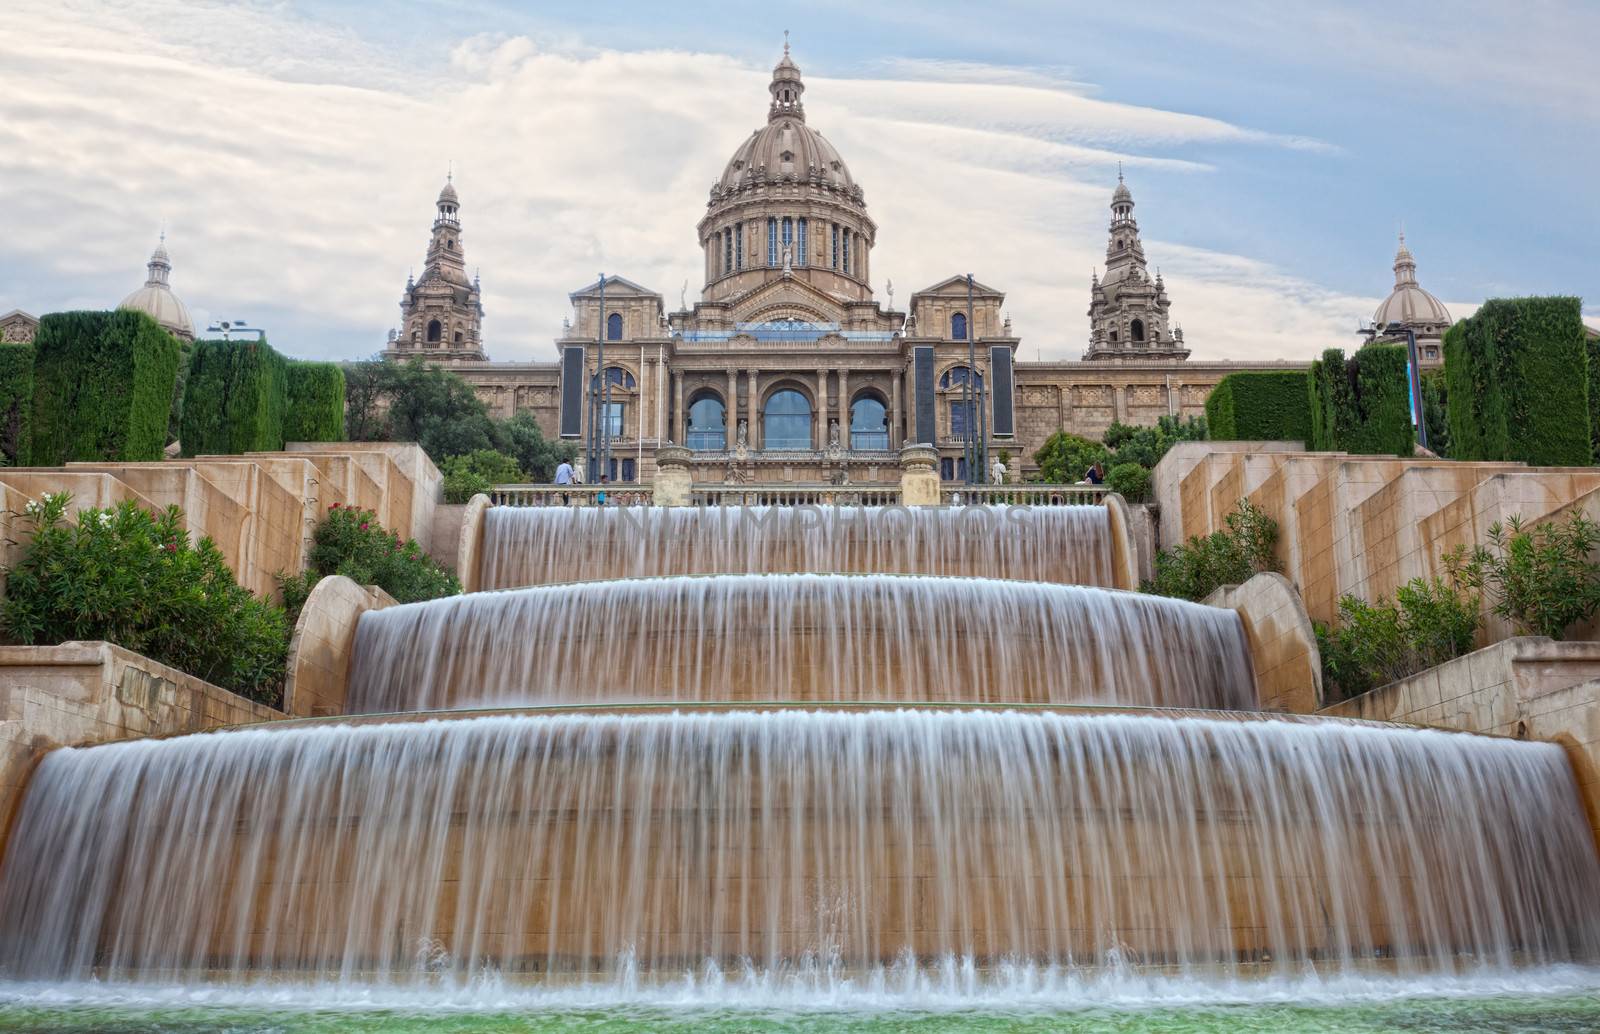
(1419, 415)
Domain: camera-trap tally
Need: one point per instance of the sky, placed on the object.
(292, 151)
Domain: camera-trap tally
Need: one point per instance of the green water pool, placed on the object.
(1498, 1013)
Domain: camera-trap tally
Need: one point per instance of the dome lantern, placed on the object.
(156, 298)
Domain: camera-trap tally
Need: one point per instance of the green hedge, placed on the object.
(102, 387)
(1591, 347)
(16, 403)
(1361, 404)
(1518, 381)
(316, 403)
(1267, 406)
(234, 400)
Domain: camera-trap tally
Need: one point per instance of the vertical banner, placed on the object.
(572, 391)
(922, 394)
(1002, 420)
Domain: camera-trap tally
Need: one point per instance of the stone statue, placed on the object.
(742, 438)
(997, 472)
(788, 259)
(833, 434)
(578, 475)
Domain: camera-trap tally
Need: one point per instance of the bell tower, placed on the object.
(441, 315)
(1128, 310)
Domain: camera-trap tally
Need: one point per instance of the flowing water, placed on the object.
(798, 637)
(550, 544)
(800, 850)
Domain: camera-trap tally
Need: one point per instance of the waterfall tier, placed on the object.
(822, 638)
(546, 848)
(548, 544)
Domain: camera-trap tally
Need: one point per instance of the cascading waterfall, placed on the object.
(598, 847)
(551, 544)
(799, 637)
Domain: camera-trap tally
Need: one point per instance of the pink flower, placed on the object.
(363, 525)
(172, 547)
(335, 506)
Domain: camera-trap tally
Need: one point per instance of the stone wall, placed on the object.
(1362, 525)
(78, 694)
(1525, 687)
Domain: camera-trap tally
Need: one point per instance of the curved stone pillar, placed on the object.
(1283, 645)
(469, 547)
(1124, 557)
(919, 476)
(319, 654)
(673, 479)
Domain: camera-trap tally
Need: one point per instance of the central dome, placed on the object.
(786, 150)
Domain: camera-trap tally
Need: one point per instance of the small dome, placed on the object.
(1408, 303)
(448, 194)
(156, 300)
(1122, 193)
(160, 304)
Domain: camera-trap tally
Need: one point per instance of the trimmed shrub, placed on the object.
(351, 542)
(16, 403)
(1591, 348)
(102, 387)
(131, 577)
(1361, 404)
(1435, 410)
(1146, 445)
(1518, 378)
(1268, 406)
(1130, 480)
(315, 410)
(234, 399)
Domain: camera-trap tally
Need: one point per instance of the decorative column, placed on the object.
(751, 401)
(730, 409)
(919, 476)
(844, 406)
(673, 476)
(679, 434)
(894, 408)
(822, 409)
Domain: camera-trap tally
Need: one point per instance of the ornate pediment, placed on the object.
(956, 286)
(787, 299)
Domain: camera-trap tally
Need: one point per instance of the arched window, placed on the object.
(434, 330)
(458, 337)
(708, 424)
(614, 375)
(956, 376)
(614, 327)
(958, 327)
(1138, 330)
(869, 423)
(786, 422)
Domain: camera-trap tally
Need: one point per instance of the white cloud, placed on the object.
(296, 166)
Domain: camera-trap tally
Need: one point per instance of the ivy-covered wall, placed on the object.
(234, 400)
(316, 403)
(16, 403)
(1361, 404)
(1267, 406)
(102, 387)
(1518, 380)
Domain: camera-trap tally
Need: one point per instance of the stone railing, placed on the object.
(794, 495)
(568, 495)
(953, 493)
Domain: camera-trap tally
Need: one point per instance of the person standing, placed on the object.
(564, 479)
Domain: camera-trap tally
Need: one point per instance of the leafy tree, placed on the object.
(1541, 579)
(131, 577)
(537, 455)
(467, 475)
(364, 386)
(1244, 547)
(1064, 457)
(1146, 445)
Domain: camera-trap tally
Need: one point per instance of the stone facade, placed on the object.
(789, 368)
(18, 327)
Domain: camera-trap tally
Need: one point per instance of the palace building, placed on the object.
(790, 367)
